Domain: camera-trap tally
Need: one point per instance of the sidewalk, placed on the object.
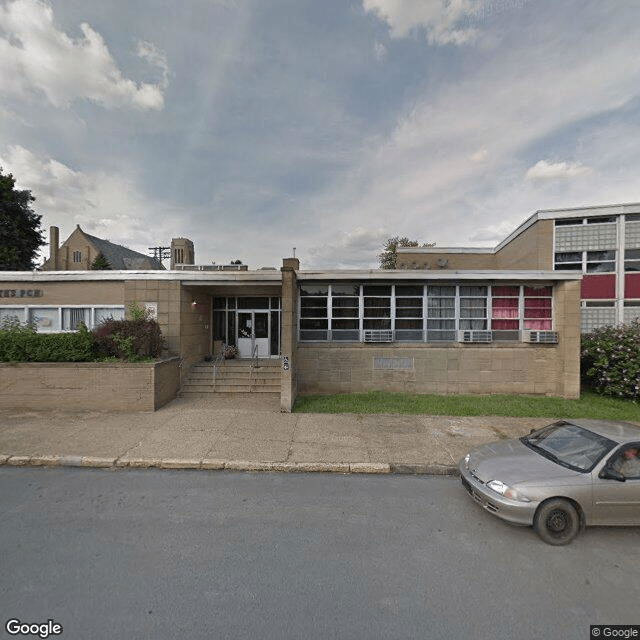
(246, 432)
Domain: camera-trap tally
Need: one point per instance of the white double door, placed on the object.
(253, 332)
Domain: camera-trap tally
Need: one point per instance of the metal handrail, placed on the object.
(254, 365)
(217, 361)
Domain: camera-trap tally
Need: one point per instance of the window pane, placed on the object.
(253, 303)
(314, 289)
(409, 302)
(376, 323)
(344, 324)
(376, 290)
(345, 302)
(345, 290)
(601, 267)
(313, 324)
(473, 292)
(313, 312)
(45, 319)
(409, 290)
(345, 313)
(601, 255)
(11, 315)
(104, 313)
(72, 317)
(313, 302)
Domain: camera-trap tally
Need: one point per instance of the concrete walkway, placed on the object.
(248, 432)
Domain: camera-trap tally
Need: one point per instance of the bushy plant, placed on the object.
(131, 340)
(610, 360)
(21, 343)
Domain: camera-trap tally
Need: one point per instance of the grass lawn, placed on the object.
(589, 405)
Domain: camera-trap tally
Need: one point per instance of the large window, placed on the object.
(586, 261)
(632, 260)
(53, 319)
(418, 313)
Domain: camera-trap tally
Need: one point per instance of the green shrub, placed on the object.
(128, 340)
(610, 360)
(21, 343)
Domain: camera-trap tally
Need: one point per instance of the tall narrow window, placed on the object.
(314, 319)
(409, 313)
(72, 317)
(77, 256)
(473, 308)
(377, 307)
(441, 313)
(537, 308)
(345, 312)
(505, 318)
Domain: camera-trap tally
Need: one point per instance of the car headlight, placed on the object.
(506, 491)
(466, 460)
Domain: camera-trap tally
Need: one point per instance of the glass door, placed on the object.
(253, 331)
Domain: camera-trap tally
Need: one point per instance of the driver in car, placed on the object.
(629, 464)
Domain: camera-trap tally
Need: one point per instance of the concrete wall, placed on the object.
(64, 293)
(531, 249)
(85, 385)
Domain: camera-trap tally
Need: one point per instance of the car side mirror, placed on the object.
(609, 473)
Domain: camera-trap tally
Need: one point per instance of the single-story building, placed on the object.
(447, 331)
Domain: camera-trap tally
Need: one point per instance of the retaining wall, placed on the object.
(89, 385)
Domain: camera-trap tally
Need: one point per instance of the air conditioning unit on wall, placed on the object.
(540, 337)
(475, 336)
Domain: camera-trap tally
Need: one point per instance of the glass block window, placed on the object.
(631, 310)
(441, 313)
(597, 314)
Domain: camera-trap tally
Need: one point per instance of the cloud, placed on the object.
(359, 246)
(544, 170)
(106, 204)
(37, 57)
(441, 19)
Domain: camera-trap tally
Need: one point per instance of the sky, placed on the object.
(260, 128)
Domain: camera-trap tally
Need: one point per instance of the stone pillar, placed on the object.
(289, 322)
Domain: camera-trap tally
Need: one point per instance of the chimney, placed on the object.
(54, 239)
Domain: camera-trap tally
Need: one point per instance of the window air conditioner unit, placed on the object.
(378, 335)
(540, 337)
(475, 336)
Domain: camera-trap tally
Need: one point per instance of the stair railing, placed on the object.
(254, 365)
(217, 361)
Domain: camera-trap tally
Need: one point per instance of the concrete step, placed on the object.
(233, 376)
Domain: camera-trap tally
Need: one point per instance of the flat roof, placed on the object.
(542, 214)
(239, 278)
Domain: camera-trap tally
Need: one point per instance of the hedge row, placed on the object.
(126, 340)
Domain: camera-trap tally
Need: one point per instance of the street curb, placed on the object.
(207, 464)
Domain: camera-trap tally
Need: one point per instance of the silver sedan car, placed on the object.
(560, 478)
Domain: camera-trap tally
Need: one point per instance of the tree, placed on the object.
(20, 233)
(100, 263)
(389, 254)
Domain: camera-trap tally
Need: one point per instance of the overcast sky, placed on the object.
(256, 126)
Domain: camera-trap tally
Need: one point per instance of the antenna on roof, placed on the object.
(160, 253)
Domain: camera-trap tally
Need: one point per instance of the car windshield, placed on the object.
(569, 445)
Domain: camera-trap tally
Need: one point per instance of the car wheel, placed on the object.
(557, 521)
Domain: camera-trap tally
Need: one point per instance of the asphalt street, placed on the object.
(126, 553)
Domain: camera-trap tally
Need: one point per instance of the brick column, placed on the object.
(289, 321)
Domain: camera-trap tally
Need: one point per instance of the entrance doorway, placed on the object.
(248, 323)
(253, 333)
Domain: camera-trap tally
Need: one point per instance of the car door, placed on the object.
(616, 502)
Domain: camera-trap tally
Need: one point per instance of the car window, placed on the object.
(626, 461)
(569, 445)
